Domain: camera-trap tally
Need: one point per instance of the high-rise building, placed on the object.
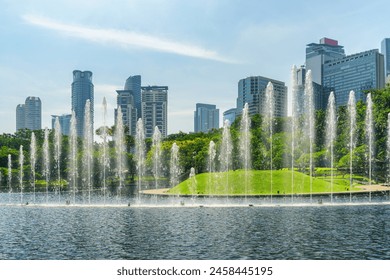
(318, 54)
(29, 114)
(64, 121)
(251, 90)
(385, 50)
(133, 83)
(20, 117)
(125, 100)
(320, 97)
(206, 117)
(82, 90)
(358, 72)
(230, 115)
(154, 109)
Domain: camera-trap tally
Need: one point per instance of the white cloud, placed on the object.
(125, 38)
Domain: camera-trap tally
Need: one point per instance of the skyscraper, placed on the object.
(357, 72)
(318, 54)
(64, 121)
(320, 97)
(133, 83)
(206, 117)
(125, 100)
(251, 90)
(154, 109)
(20, 117)
(385, 50)
(29, 114)
(82, 90)
(230, 115)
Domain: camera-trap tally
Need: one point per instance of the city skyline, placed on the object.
(200, 49)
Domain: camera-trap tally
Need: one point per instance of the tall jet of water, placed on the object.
(388, 150)
(268, 127)
(33, 156)
(294, 123)
(21, 162)
(193, 182)
(9, 176)
(211, 167)
(174, 166)
(245, 145)
(46, 161)
(156, 148)
(352, 136)
(104, 153)
(331, 126)
(369, 138)
(73, 168)
(120, 149)
(57, 154)
(310, 124)
(88, 150)
(140, 154)
(225, 155)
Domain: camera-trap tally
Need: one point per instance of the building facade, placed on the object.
(154, 109)
(251, 90)
(133, 83)
(385, 50)
(64, 121)
(29, 114)
(206, 117)
(82, 90)
(317, 54)
(20, 117)
(125, 100)
(358, 72)
(230, 115)
(320, 96)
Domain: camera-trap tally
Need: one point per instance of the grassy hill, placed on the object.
(257, 182)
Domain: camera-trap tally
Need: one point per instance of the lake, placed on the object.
(312, 231)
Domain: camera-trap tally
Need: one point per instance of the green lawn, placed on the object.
(258, 182)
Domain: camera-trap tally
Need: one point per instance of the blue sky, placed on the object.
(199, 49)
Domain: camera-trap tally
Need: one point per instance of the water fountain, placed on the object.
(120, 150)
(156, 147)
(225, 155)
(46, 162)
(310, 124)
(21, 162)
(294, 123)
(370, 140)
(73, 163)
(245, 145)
(268, 126)
(388, 151)
(331, 136)
(105, 162)
(88, 150)
(33, 156)
(211, 167)
(192, 183)
(9, 177)
(174, 166)
(57, 154)
(140, 155)
(351, 108)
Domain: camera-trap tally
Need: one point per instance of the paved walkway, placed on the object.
(363, 188)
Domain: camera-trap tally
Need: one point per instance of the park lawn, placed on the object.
(257, 182)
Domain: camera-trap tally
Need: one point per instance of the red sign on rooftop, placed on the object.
(328, 41)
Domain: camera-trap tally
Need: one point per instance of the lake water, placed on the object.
(359, 231)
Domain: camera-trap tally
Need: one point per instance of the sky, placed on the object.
(200, 49)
